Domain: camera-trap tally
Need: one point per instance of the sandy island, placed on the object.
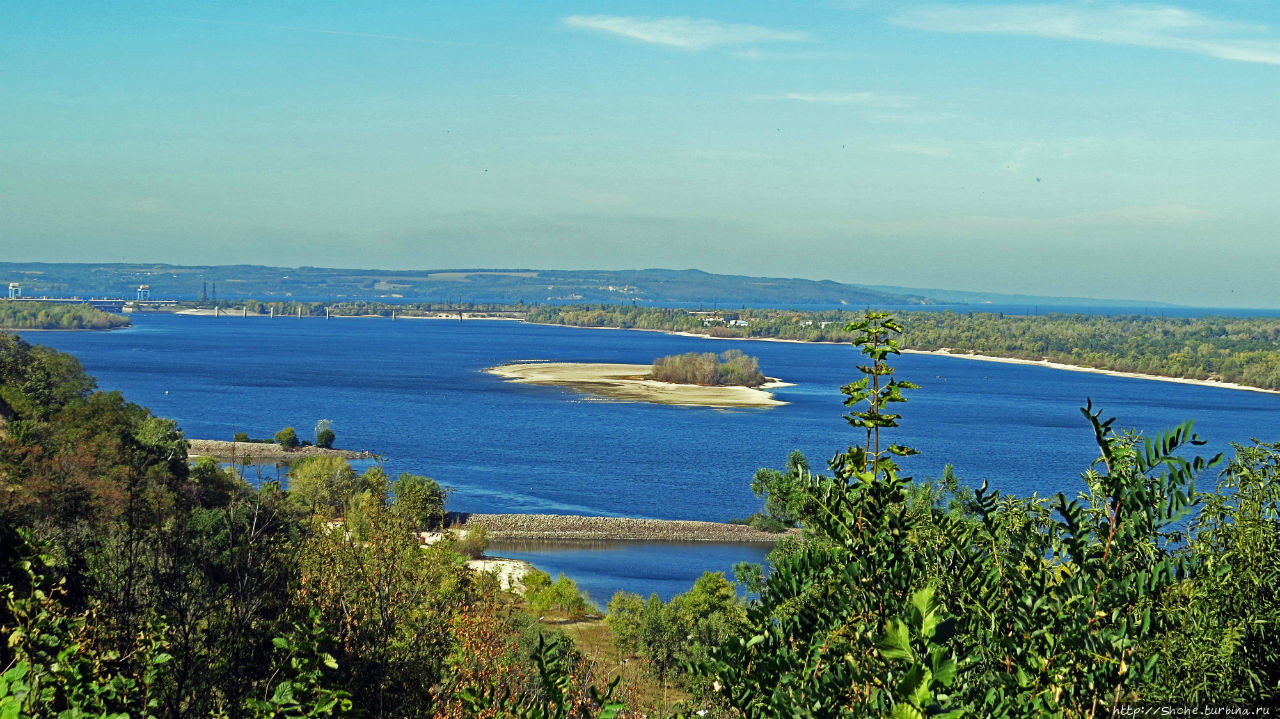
(627, 382)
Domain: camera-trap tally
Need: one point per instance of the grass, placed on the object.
(595, 642)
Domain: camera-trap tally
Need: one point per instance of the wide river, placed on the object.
(414, 391)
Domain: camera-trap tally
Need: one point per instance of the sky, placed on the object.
(1096, 149)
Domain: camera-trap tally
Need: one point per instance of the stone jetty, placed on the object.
(561, 527)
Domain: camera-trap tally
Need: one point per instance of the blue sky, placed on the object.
(1101, 149)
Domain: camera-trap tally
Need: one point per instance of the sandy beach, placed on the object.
(626, 382)
(510, 572)
(1092, 370)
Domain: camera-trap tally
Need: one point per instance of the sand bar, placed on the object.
(626, 382)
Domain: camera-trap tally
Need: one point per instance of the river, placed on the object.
(414, 391)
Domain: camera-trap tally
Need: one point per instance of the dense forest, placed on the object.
(138, 583)
(1229, 349)
(28, 315)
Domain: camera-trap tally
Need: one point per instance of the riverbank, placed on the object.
(970, 356)
(1092, 370)
(265, 452)
(562, 527)
(627, 382)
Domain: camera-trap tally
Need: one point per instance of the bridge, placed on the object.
(104, 304)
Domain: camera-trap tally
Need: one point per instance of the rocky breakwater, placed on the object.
(560, 527)
(264, 452)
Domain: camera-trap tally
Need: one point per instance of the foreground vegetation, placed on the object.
(28, 315)
(137, 584)
(928, 599)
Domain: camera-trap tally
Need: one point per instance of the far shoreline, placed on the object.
(1049, 364)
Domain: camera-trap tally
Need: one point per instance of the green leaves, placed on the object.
(931, 666)
(303, 689)
(555, 664)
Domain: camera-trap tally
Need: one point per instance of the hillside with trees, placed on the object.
(442, 285)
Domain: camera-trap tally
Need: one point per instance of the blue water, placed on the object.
(414, 392)
(602, 568)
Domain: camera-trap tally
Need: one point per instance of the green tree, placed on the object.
(390, 602)
(323, 484)
(324, 434)
(419, 500)
(562, 595)
(786, 495)
(217, 486)
(623, 618)
(287, 438)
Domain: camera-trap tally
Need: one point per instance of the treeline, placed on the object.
(731, 368)
(28, 315)
(1228, 349)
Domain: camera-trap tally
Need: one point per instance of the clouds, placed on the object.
(682, 32)
(1138, 25)
(1164, 27)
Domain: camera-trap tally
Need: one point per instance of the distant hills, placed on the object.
(650, 287)
(654, 287)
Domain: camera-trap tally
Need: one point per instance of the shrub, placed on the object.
(287, 438)
(324, 434)
(564, 595)
(472, 542)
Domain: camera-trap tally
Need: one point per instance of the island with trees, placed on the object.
(732, 379)
(732, 368)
